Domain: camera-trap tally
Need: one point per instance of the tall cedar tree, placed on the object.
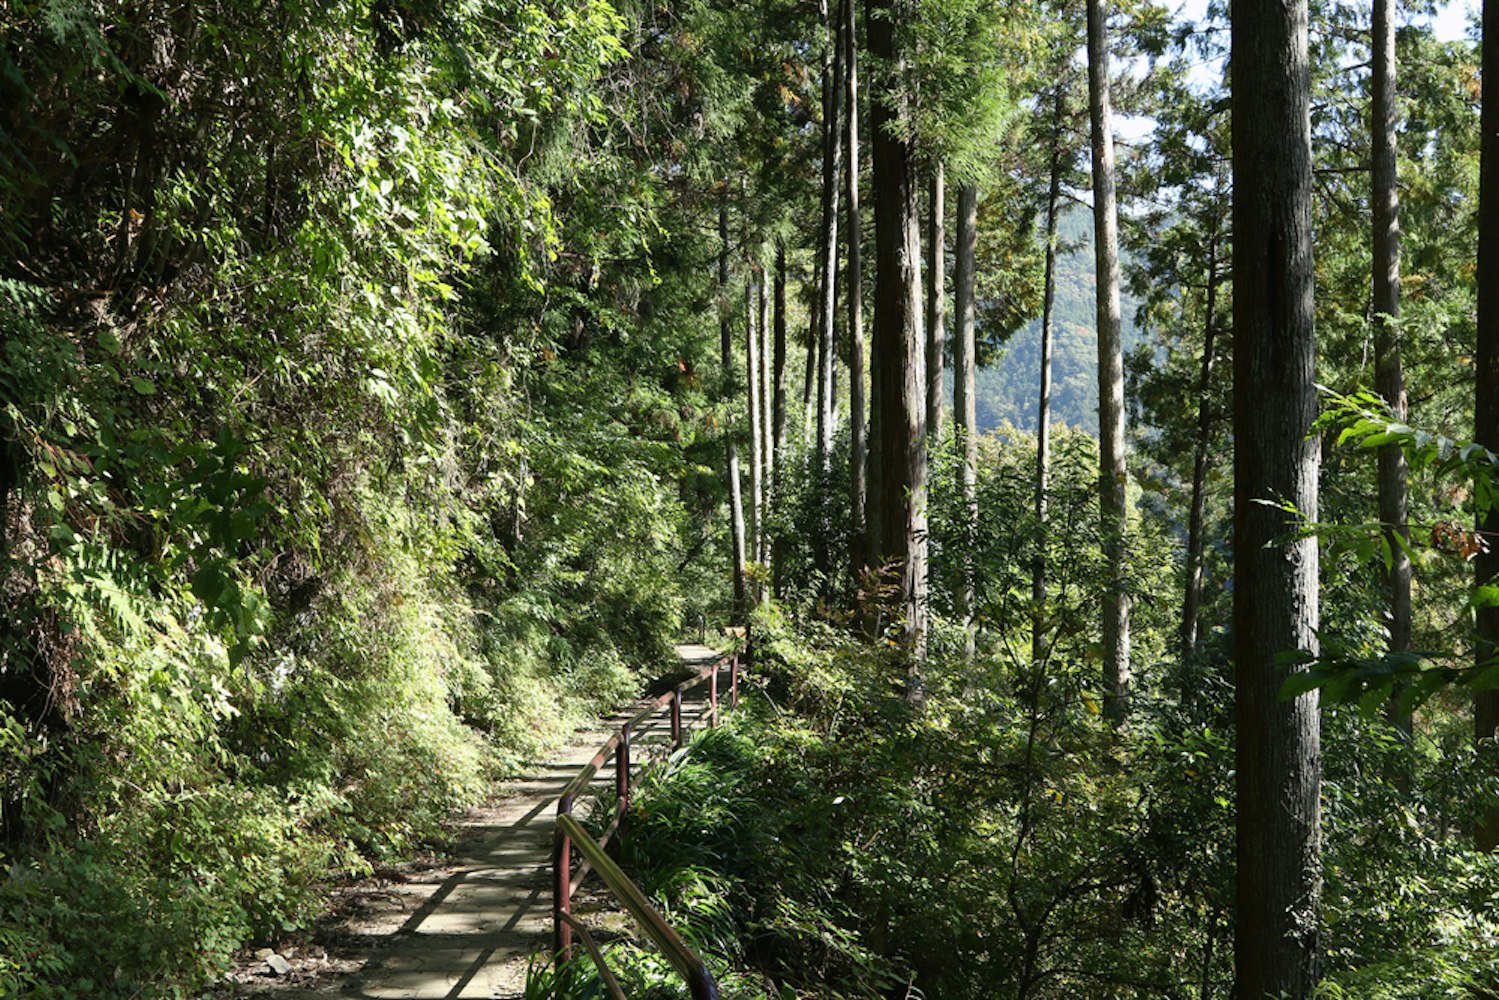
(1389, 376)
(827, 248)
(1486, 398)
(854, 292)
(1276, 461)
(936, 301)
(1112, 474)
(1043, 403)
(778, 372)
(965, 405)
(752, 401)
(731, 444)
(767, 473)
(1201, 454)
(898, 452)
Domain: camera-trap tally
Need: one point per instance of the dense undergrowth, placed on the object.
(828, 842)
(1004, 840)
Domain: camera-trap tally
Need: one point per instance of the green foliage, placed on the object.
(1347, 671)
(313, 507)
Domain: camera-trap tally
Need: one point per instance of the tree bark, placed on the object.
(1276, 459)
(756, 463)
(854, 292)
(965, 410)
(1389, 373)
(778, 373)
(778, 404)
(1112, 473)
(827, 302)
(809, 387)
(731, 446)
(1043, 404)
(1196, 522)
(936, 303)
(767, 474)
(898, 495)
(1486, 399)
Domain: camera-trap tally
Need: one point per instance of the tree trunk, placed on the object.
(778, 404)
(1275, 458)
(936, 303)
(766, 472)
(1043, 405)
(827, 301)
(731, 446)
(1112, 474)
(964, 363)
(778, 374)
(898, 490)
(1486, 401)
(854, 292)
(756, 463)
(1192, 592)
(810, 386)
(1389, 373)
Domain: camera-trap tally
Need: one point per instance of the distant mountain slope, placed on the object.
(1007, 390)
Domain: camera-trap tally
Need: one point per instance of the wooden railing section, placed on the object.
(593, 858)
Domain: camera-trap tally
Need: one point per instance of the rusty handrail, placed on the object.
(611, 985)
(569, 834)
(678, 952)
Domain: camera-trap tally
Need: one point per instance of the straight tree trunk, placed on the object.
(1389, 373)
(827, 302)
(1112, 473)
(731, 446)
(767, 474)
(778, 404)
(965, 410)
(898, 491)
(854, 292)
(1486, 400)
(756, 463)
(1278, 755)
(778, 373)
(1043, 403)
(936, 303)
(814, 344)
(1192, 593)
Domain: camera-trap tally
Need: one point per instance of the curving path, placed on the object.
(464, 926)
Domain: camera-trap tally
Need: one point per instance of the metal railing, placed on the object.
(571, 834)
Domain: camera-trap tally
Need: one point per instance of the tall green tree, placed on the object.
(1276, 460)
(898, 440)
(1486, 399)
(858, 407)
(1113, 474)
(1389, 377)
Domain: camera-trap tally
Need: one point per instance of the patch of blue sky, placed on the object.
(1452, 21)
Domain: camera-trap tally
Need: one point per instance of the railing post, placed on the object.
(713, 698)
(562, 888)
(734, 682)
(701, 985)
(622, 770)
(676, 718)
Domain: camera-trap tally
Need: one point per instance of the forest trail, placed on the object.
(467, 925)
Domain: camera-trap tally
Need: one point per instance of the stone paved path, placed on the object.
(465, 927)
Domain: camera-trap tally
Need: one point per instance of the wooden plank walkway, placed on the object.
(467, 926)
